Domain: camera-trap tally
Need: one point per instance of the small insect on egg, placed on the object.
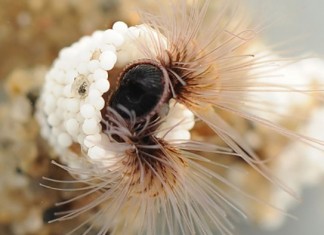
(143, 89)
(80, 86)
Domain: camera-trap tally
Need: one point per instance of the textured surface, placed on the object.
(31, 34)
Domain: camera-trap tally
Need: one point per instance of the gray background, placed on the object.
(310, 213)
(300, 23)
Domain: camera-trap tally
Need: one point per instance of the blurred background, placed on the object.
(299, 25)
(33, 31)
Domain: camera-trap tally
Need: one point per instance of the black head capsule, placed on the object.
(143, 88)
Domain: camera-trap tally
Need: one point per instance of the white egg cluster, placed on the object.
(180, 121)
(301, 75)
(69, 109)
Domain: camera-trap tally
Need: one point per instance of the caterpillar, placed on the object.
(143, 117)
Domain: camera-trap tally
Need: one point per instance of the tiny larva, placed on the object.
(143, 116)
